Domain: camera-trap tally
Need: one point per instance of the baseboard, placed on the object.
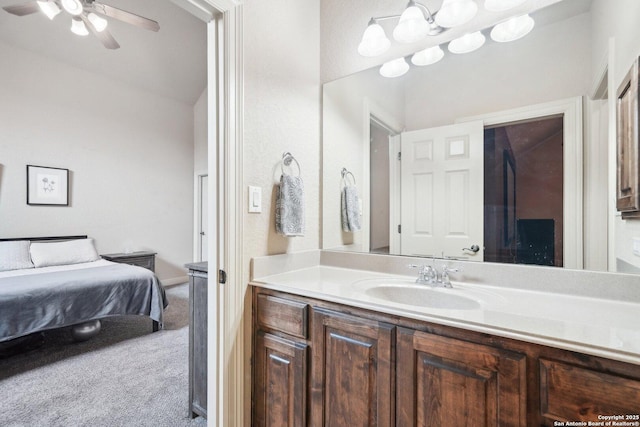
(174, 281)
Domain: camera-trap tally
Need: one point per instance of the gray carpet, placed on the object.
(125, 376)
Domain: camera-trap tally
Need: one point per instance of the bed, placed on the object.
(64, 282)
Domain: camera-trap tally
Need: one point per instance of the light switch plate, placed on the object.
(255, 199)
(636, 246)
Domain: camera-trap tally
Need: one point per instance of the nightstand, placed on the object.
(146, 259)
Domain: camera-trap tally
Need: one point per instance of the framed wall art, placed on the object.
(628, 161)
(47, 186)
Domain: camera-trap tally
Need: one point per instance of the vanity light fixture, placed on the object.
(394, 68)
(467, 43)
(512, 29)
(413, 25)
(427, 56)
(417, 22)
(374, 40)
(501, 5)
(456, 12)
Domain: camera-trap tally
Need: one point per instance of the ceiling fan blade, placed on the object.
(23, 9)
(104, 36)
(124, 16)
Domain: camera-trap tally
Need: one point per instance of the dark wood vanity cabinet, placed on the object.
(317, 363)
(280, 362)
(445, 381)
(351, 375)
(280, 381)
(578, 393)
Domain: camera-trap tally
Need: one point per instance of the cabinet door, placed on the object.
(198, 344)
(351, 371)
(280, 382)
(444, 381)
(575, 393)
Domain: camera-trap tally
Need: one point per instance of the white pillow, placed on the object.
(61, 253)
(15, 255)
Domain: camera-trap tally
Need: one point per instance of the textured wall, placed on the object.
(618, 20)
(130, 154)
(282, 113)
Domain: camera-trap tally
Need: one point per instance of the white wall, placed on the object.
(282, 113)
(618, 20)
(129, 152)
(550, 63)
(282, 106)
(200, 133)
(345, 128)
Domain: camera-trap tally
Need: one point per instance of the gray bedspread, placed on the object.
(37, 302)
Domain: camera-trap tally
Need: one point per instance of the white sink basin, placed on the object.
(423, 296)
(405, 291)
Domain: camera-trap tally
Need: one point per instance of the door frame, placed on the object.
(226, 373)
(372, 112)
(571, 109)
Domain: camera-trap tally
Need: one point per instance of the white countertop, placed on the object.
(595, 326)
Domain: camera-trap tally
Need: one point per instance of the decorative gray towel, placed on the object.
(350, 209)
(290, 206)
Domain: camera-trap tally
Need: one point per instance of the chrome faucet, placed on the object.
(444, 277)
(426, 274)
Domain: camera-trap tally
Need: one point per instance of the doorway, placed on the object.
(379, 161)
(523, 192)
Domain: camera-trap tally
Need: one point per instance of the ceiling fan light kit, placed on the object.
(72, 7)
(98, 23)
(78, 27)
(416, 23)
(87, 16)
(49, 8)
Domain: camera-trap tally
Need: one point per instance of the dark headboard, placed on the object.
(43, 239)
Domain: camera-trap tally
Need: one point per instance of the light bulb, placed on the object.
(501, 5)
(73, 7)
(412, 26)
(427, 56)
(513, 29)
(374, 41)
(49, 8)
(467, 43)
(456, 12)
(78, 27)
(394, 68)
(98, 23)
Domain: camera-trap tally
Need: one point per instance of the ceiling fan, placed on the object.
(85, 17)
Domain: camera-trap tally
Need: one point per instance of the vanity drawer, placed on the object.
(569, 392)
(290, 317)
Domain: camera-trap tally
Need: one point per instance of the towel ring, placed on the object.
(287, 158)
(345, 172)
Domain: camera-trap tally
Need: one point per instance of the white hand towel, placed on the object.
(290, 206)
(350, 209)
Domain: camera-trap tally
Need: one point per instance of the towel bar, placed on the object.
(345, 172)
(287, 158)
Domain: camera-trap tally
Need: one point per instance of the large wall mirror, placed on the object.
(499, 155)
